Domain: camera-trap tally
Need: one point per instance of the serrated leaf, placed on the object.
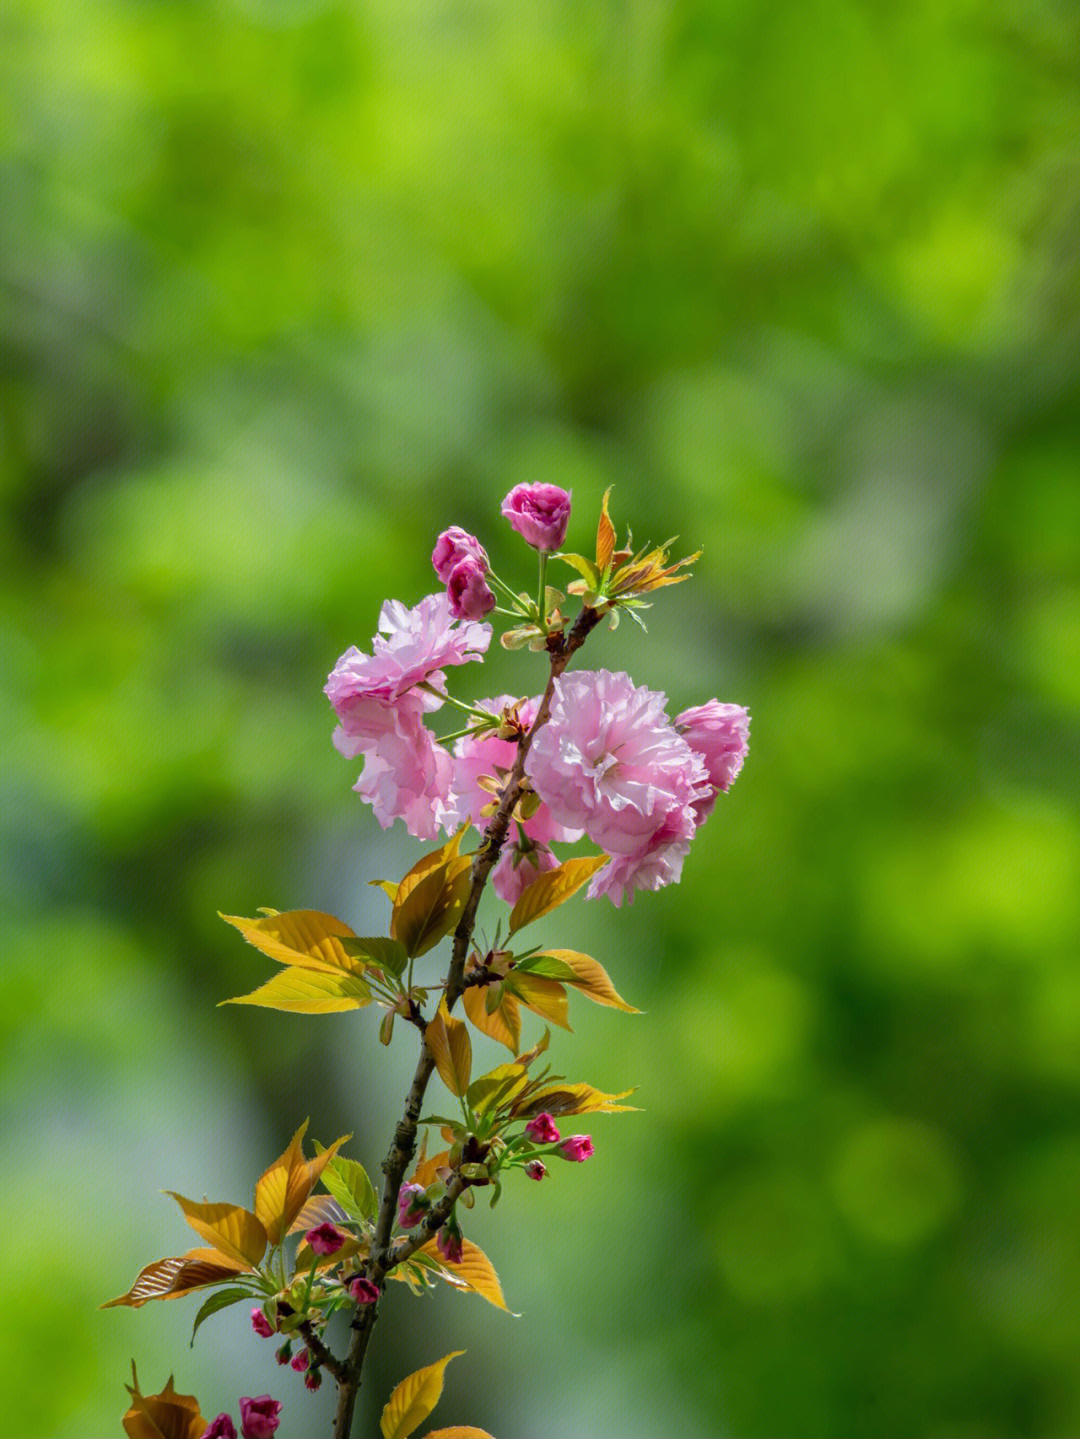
(538, 1049)
(414, 1399)
(588, 975)
(223, 1299)
(545, 966)
(496, 1087)
(179, 1274)
(284, 1187)
(308, 991)
(448, 1040)
(605, 536)
(319, 1209)
(386, 954)
(585, 568)
(431, 897)
(545, 997)
(503, 1024)
(167, 1415)
(557, 1099)
(474, 1275)
(302, 937)
(388, 886)
(553, 888)
(231, 1228)
(348, 1182)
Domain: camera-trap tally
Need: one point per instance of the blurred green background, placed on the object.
(288, 286)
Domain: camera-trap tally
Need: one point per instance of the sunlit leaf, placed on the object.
(229, 1227)
(284, 1188)
(458, 1431)
(319, 1209)
(387, 954)
(427, 910)
(474, 1275)
(538, 1049)
(503, 1024)
(554, 888)
(308, 991)
(496, 1087)
(448, 1040)
(427, 1169)
(558, 1099)
(348, 1182)
(306, 1256)
(545, 997)
(585, 568)
(545, 966)
(177, 1275)
(222, 1299)
(605, 536)
(590, 977)
(388, 886)
(302, 937)
(414, 1399)
(167, 1415)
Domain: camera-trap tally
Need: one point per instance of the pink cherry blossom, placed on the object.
(542, 1129)
(325, 1239)
(535, 1169)
(410, 1208)
(450, 1244)
(452, 546)
(313, 1379)
(259, 1417)
(720, 733)
(540, 513)
(261, 1324)
(220, 1428)
(578, 1148)
(468, 591)
(407, 775)
(300, 1361)
(519, 864)
(655, 863)
(363, 1291)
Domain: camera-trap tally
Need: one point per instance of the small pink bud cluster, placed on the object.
(535, 1169)
(220, 1428)
(325, 1239)
(461, 562)
(363, 1291)
(261, 1325)
(542, 1129)
(412, 1205)
(450, 1242)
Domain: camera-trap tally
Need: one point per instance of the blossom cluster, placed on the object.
(610, 763)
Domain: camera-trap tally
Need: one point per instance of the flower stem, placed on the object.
(541, 598)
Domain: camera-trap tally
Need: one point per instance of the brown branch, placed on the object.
(384, 1254)
(320, 1353)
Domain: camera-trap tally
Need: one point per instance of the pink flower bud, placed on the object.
(536, 1169)
(261, 1325)
(468, 590)
(363, 1291)
(454, 545)
(325, 1239)
(220, 1428)
(312, 1379)
(450, 1243)
(542, 1130)
(284, 1354)
(578, 1147)
(411, 1205)
(259, 1417)
(301, 1361)
(539, 513)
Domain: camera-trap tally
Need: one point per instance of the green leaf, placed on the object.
(585, 568)
(545, 966)
(388, 886)
(496, 1087)
(221, 1300)
(348, 1182)
(553, 888)
(448, 1040)
(306, 991)
(588, 975)
(388, 954)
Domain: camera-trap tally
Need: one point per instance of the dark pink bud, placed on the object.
(468, 590)
(454, 545)
(539, 513)
(284, 1354)
(450, 1243)
(542, 1130)
(578, 1147)
(259, 1417)
(325, 1239)
(301, 1361)
(363, 1291)
(411, 1205)
(536, 1169)
(261, 1325)
(312, 1379)
(220, 1428)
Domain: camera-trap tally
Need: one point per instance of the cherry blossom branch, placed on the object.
(384, 1254)
(319, 1352)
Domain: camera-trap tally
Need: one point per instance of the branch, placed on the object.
(321, 1354)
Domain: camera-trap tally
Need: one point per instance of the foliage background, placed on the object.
(289, 285)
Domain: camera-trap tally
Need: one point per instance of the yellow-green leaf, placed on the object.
(605, 535)
(554, 888)
(428, 910)
(503, 1024)
(448, 1040)
(229, 1227)
(497, 1087)
(427, 1169)
(348, 1182)
(319, 1209)
(308, 991)
(585, 568)
(414, 1399)
(474, 1275)
(388, 954)
(545, 997)
(302, 937)
(282, 1190)
(388, 886)
(177, 1275)
(458, 1431)
(591, 978)
(560, 1098)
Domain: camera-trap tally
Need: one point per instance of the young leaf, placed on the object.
(448, 1040)
(545, 997)
(496, 1087)
(387, 954)
(348, 1182)
(537, 1050)
(559, 1099)
(605, 536)
(554, 888)
(283, 1189)
(177, 1275)
(503, 1024)
(306, 1257)
(228, 1227)
(585, 568)
(427, 1170)
(474, 1275)
(388, 886)
(319, 1209)
(432, 908)
(302, 937)
(545, 966)
(167, 1415)
(221, 1300)
(307, 991)
(414, 1399)
(588, 975)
